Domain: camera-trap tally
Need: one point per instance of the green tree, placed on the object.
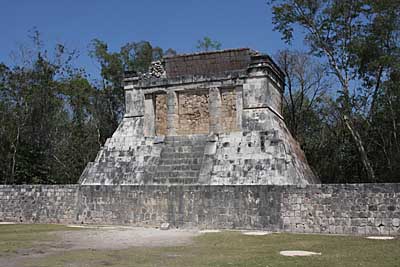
(79, 136)
(312, 121)
(41, 101)
(206, 44)
(331, 26)
(359, 41)
(52, 118)
(34, 103)
(307, 82)
(109, 102)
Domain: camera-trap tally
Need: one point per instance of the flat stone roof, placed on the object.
(220, 65)
(211, 63)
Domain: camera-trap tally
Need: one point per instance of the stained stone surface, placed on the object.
(210, 231)
(380, 237)
(209, 118)
(356, 209)
(257, 233)
(301, 253)
(221, 172)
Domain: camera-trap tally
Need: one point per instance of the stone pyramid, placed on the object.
(207, 118)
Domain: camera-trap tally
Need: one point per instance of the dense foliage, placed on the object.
(207, 44)
(348, 129)
(53, 119)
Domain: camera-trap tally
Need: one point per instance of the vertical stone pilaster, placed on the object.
(215, 106)
(239, 106)
(134, 98)
(149, 115)
(172, 112)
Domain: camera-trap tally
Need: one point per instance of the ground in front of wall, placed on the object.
(62, 245)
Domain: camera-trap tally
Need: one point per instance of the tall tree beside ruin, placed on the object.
(359, 40)
(331, 27)
(377, 53)
(133, 57)
(45, 124)
(307, 83)
(311, 116)
(33, 100)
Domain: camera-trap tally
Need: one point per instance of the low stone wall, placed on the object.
(38, 203)
(182, 206)
(363, 209)
(337, 209)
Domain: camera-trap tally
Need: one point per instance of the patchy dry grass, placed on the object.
(16, 237)
(213, 249)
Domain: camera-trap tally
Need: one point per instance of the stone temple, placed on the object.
(212, 118)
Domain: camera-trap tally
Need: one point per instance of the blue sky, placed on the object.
(176, 24)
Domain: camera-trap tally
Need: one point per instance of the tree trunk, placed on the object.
(360, 147)
(14, 158)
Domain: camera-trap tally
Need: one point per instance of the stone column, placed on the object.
(134, 107)
(172, 113)
(134, 98)
(215, 106)
(149, 115)
(239, 106)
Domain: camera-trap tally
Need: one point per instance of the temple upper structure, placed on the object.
(206, 118)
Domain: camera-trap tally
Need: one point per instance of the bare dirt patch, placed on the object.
(114, 238)
(99, 238)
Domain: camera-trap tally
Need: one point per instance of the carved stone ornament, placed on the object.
(156, 69)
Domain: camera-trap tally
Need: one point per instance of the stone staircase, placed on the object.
(180, 160)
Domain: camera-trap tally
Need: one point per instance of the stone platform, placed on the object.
(208, 118)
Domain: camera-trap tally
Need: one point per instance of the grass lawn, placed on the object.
(212, 249)
(16, 237)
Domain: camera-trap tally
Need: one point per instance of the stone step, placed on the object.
(179, 161)
(118, 153)
(179, 167)
(180, 138)
(175, 180)
(185, 143)
(176, 174)
(181, 155)
(183, 149)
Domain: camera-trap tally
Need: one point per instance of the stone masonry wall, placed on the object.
(38, 203)
(361, 209)
(181, 206)
(209, 63)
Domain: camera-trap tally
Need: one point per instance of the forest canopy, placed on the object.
(53, 118)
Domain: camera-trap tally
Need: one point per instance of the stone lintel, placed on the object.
(151, 83)
(265, 62)
(266, 107)
(130, 83)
